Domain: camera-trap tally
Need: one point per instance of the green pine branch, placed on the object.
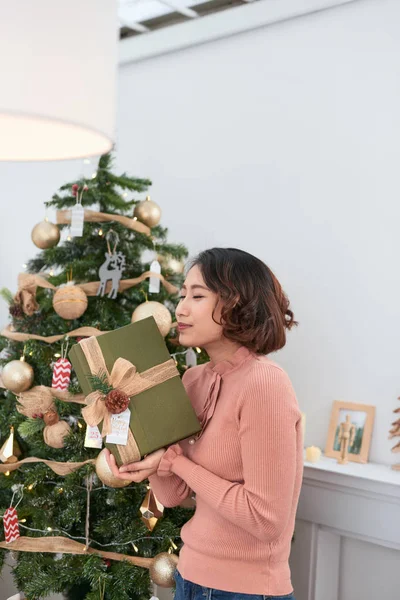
(31, 427)
(100, 383)
(7, 295)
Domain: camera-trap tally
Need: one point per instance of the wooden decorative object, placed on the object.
(350, 432)
(395, 432)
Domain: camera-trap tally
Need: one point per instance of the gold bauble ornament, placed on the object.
(70, 302)
(169, 263)
(157, 310)
(162, 569)
(45, 235)
(148, 212)
(17, 376)
(104, 472)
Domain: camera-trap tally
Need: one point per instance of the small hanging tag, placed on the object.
(77, 218)
(61, 374)
(154, 286)
(11, 527)
(119, 428)
(93, 437)
(191, 358)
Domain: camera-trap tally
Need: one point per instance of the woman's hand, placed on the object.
(137, 471)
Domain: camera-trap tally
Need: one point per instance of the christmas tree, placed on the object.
(63, 292)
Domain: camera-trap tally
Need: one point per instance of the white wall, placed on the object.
(281, 141)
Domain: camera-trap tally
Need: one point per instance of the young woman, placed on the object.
(245, 466)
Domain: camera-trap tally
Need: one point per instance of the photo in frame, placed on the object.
(362, 417)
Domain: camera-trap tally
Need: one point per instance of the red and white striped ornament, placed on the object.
(61, 374)
(11, 527)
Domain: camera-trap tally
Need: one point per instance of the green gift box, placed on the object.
(161, 415)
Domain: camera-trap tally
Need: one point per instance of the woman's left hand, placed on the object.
(137, 471)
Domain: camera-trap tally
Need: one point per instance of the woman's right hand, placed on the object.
(136, 471)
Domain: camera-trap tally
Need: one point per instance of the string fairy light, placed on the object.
(73, 537)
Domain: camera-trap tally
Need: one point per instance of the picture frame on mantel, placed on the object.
(362, 417)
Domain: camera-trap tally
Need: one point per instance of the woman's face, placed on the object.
(196, 326)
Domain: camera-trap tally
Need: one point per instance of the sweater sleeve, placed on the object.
(269, 422)
(170, 491)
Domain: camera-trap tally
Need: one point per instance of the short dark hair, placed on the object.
(255, 311)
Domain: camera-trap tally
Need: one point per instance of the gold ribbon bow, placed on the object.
(125, 377)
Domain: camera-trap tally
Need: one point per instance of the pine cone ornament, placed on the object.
(16, 311)
(117, 402)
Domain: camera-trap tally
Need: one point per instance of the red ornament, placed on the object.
(75, 187)
(61, 374)
(11, 527)
(117, 401)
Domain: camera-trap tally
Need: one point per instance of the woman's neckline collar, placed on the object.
(224, 366)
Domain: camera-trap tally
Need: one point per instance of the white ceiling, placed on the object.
(135, 14)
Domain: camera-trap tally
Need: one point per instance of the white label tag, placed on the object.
(77, 219)
(154, 285)
(93, 437)
(119, 428)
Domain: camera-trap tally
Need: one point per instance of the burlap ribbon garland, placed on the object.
(24, 337)
(26, 294)
(91, 288)
(41, 396)
(58, 467)
(126, 378)
(56, 544)
(92, 216)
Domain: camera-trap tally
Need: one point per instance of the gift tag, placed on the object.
(154, 285)
(61, 374)
(119, 428)
(77, 218)
(191, 358)
(11, 527)
(93, 437)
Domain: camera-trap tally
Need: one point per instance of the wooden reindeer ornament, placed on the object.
(112, 268)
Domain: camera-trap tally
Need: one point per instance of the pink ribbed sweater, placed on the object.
(246, 471)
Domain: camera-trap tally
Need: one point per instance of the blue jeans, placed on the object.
(186, 590)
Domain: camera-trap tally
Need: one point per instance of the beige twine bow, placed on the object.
(26, 294)
(126, 378)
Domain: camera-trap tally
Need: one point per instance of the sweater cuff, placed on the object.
(166, 462)
(183, 467)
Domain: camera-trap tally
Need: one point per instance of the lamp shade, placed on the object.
(58, 69)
